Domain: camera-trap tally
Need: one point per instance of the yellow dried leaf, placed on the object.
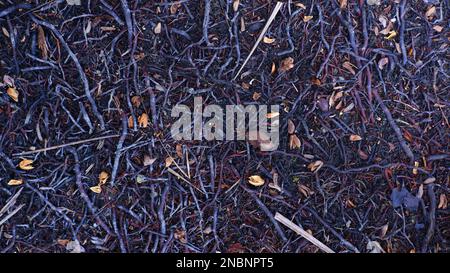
(157, 29)
(307, 18)
(256, 180)
(96, 189)
(143, 120)
(103, 177)
(391, 35)
(315, 166)
(26, 164)
(169, 161)
(294, 142)
(12, 92)
(268, 40)
(15, 182)
(355, 138)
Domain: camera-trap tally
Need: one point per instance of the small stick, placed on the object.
(285, 221)
(261, 36)
(64, 145)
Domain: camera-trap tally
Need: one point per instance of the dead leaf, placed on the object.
(102, 178)
(13, 94)
(169, 161)
(349, 67)
(294, 142)
(307, 18)
(384, 230)
(9, 81)
(273, 69)
(179, 150)
(348, 108)
(143, 120)
(275, 185)
(15, 182)
(355, 138)
(136, 101)
(391, 35)
(26, 164)
(431, 12)
(42, 43)
(256, 96)
(268, 40)
(97, 189)
(342, 4)
(5, 32)
(148, 161)
(174, 7)
(438, 28)
(286, 64)
(316, 81)
(75, 247)
(141, 178)
(315, 166)
(62, 242)
(107, 29)
(291, 126)
(442, 201)
(256, 180)
(305, 190)
(362, 155)
(157, 29)
(130, 122)
(374, 247)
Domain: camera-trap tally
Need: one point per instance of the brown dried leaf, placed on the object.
(13, 94)
(256, 180)
(286, 64)
(294, 142)
(15, 182)
(143, 120)
(256, 96)
(431, 12)
(315, 166)
(179, 150)
(102, 178)
(291, 126)
(42, 43)
(136, 100)
(26, 164)
(169, 161)
(349, 67)
(130, 122)
(355, 138)
(342, 4)
(438, 28)
(443, 203)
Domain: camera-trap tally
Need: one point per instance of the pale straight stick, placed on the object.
(285, 221)
(261, 36)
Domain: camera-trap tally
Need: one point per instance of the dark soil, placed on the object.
(368, 95)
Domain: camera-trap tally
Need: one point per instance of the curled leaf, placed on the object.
(169, 161)
(15, 182)
(97, 189)
(355, 138)
(143, 120)
(294, 142)
(315, 166)
(256, 180)
(286, 64)
(12, 92)
(103, 177)
(268, 40)
(307, 18)
(26, 164)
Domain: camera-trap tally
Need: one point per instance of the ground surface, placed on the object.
(363, 161)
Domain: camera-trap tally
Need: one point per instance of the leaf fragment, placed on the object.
(26, 164)
(294, 142)
(103, 178)
(256, 180)
(148, 161)
(315, 166)
(157, 29)
(355, 138)
(15, 182)
(143, 120)
(286, 64)
(268, 40)
(307, 18)
(97, 189)
(13, 94)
